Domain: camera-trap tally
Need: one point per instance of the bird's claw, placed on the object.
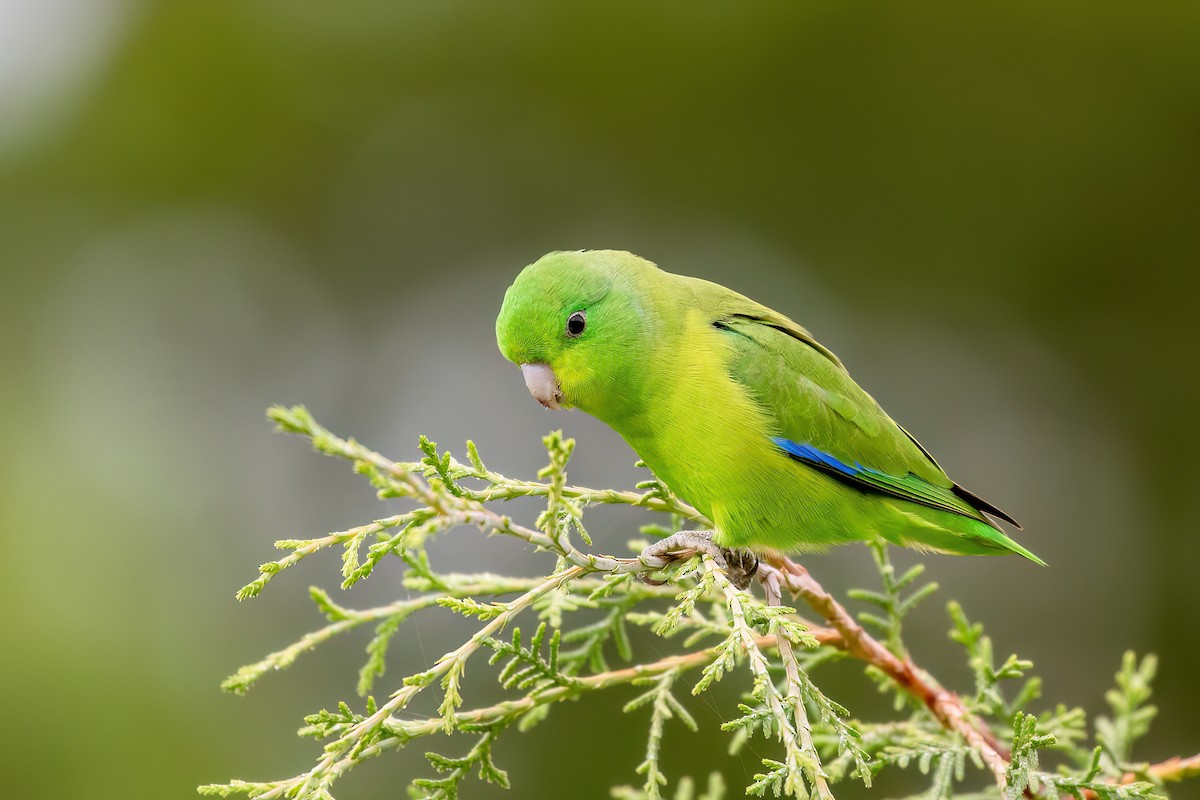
(741, 566)
(738, 565)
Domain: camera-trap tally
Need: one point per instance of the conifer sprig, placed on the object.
(582, 609)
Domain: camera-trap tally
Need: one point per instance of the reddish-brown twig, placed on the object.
(945, 706)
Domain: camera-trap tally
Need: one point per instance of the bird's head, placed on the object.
(578, 324)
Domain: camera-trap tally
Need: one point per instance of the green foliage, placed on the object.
(989, 698)
(988, 741)
(685, 790)
(526, 670)
(663, 706)
(891, 600)
(454, 770)
(1131, 715)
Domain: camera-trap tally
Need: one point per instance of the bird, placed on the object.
(739, 410)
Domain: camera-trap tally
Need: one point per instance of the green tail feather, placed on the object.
(925, 528)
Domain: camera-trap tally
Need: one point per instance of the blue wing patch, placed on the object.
(908, 487)
(810, 454)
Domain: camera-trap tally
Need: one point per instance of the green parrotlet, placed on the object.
(738, 409)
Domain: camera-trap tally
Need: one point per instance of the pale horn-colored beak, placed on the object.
(542, 383)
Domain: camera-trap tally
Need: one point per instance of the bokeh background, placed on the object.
(989, 211)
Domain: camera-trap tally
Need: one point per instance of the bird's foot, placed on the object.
(738, 565)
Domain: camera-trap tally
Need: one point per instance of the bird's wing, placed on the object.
(826, 421)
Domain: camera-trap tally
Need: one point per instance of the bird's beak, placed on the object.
(542, 383)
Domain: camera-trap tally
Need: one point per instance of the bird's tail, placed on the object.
(963, 536)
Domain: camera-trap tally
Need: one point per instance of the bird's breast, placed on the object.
(703, 434)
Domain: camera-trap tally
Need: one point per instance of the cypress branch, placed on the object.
(946, 737)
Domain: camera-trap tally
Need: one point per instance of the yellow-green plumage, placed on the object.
(737, 408)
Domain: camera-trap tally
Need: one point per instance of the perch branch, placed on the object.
(435, 482)
(468, 506)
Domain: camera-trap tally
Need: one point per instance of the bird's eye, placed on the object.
(576, 323)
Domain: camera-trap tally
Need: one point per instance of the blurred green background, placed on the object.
(990, 212)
